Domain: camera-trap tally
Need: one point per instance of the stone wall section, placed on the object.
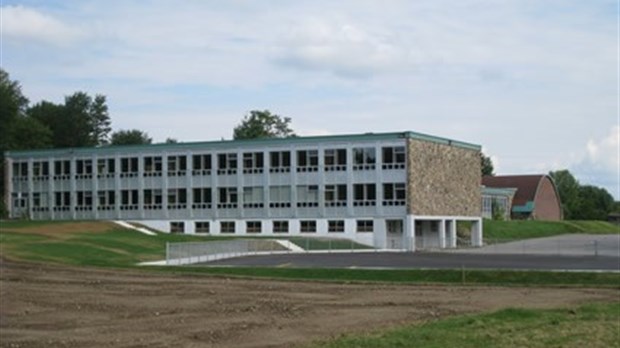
(443, 179)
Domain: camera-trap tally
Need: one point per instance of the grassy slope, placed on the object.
(593, 325)
(522, 229)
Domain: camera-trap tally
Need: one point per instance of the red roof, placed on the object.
(526, 185)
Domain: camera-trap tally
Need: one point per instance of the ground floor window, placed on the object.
(202, 227)
(280, 226)
(335, 226)
(177, 227)
(308, 226)
(365, 226)
(253, 227)
(227, 227)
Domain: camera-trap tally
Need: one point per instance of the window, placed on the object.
(40, 171)
(202, 198)
(365, 226)
(364, 194)
(62, 169)
(279, 197)
(253, 163)
(308, 226)
(177, 198)
(394, 157)
(253, 227)
(105, 167)
(202, 227)
(84, 200)
(39, 201)
(20, 199)
(177, 227)
(307, 196)
(253, 197)
(105, 200)
(335, 226)
(227, 163)
(20, 171)
(152, 199)
(364, 158)
(177, 165)
(394, 193)
(129, 199)
(152, 166)
(201, 165)
(335, 159)
(129, 167)
(227, 227)
(280, 162)
(62, 201)
(227, 198)
(280, 226)
(84, 169)
(335, 195)
(307, 160)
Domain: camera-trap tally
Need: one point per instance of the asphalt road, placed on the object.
(424, 260)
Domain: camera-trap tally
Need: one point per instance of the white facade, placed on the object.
(341, 186)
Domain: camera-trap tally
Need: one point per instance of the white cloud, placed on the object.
(23, 23)
(339, 47)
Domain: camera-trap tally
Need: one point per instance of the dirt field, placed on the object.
(58, 306)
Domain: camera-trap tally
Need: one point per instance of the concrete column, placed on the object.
(409, 234)
(442, 234)
(452, 231)
(476, 233)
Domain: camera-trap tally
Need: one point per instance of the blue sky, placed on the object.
(534, 82)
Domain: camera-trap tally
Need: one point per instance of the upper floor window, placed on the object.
(364, 194)
(394, 193)
(177, 165)
(279, 196)
(393, 157)
(62, 200)
(84, 200)
(280, 162)
(153, 166)
(105, 167)
(228, 198)
(307, 160)
(39, 201)
(335, 195)
(129, 199)
(177, 198)
(105, 200)
(153, 199)
(129, 167)
(62, 169)
(20, 170)
(335, 159)
(202, 198)
(364, 158)
(40, 170)
(308, 196)
(84, 169)
(227, 163)
(253, 162)
(201, 164)
(253, 197)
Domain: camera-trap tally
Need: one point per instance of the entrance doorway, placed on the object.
(394, 230)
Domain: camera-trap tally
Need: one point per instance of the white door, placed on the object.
(394, 230)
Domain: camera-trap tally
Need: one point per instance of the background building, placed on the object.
(390, 190)
(536, 196)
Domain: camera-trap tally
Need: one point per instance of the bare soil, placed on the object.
(62, 306)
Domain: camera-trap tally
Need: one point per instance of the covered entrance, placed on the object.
(394, 230)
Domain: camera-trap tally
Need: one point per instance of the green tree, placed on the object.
(595, 203)
(28, 133)
(13, 105)
(568, 189)
(100, 123)
(130, 137)
(263, 124)
(486, 165)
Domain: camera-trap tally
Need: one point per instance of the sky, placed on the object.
(534, 82)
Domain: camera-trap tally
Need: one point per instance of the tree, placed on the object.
(13, 105)
(171, 141)
(263, 124)
(100, 121)
(130, 137)
(28, 133)
(595, 203)
(568, 189)
(486, 165)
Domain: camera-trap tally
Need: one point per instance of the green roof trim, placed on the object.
(242, 143)
(526, 208)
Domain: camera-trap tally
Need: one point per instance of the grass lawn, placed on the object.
(523, 229)
(592, 325)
